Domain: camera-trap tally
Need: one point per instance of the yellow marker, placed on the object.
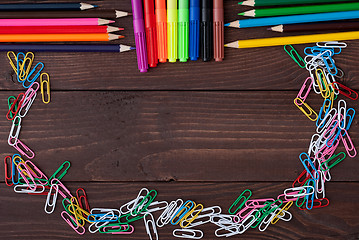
(172, 22)
(279, 41)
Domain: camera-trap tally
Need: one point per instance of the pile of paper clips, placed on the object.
(307, 191)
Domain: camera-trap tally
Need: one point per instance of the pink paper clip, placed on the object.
(69, 222)
(36, 172)
(61, 185)
(304, 86)
(246, 211)
(24, 172)
(106, 228)
(26, 148)
(258, 203)
(352, 152)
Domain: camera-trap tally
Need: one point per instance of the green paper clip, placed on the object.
(238, 200)
(294, 55)
(59, 170)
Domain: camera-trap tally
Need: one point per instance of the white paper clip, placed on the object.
(188, 233)
(148, 222)
(51, 204)
(14, 134)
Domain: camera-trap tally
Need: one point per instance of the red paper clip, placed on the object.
(353, 95)
(301, 182)
(84, 197)
(317, 203)
(13, 105)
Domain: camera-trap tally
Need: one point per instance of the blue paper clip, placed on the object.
(322, 109)
(15, 170)
(311, 196)
(185, 209)
(350, 120)
(307, 159)
(31, 73)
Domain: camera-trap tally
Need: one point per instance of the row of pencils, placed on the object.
(177, 29)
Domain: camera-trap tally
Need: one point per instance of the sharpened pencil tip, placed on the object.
(95, 6)
(111, 21)
(240, 3)
(241, 14)
(133, 48)
(226, 25)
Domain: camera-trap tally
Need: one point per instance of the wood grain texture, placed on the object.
(338, 221)
(245, 69)
(159, 136)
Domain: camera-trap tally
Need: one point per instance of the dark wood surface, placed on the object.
(199, 131)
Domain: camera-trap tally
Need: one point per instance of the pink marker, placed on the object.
(54, 22)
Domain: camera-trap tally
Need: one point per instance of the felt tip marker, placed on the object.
(172, 30)
(218, 30)
(183, 30)
(161, 28)
(194, 26)
(206, 30)
(150, 25)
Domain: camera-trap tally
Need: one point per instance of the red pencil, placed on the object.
(151, 35)
(57, 29)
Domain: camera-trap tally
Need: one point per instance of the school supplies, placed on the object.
(172, 27)
(106, 14)
(140, 37)
(58, 29)
(66, 48)
(183, 29)
(304, 18)
(194, 29)
(45, 84)
(55, 22)
(218, 30)
(151, 37)
(161, 29)
(277, 41)
(325, 26)
(261, 3)
(206, 31)
(45, 6)
(70, 37)
(270, 12)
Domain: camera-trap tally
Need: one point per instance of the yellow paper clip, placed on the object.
(310, 112)
(285, 208)
(12, 57)
(322, 80)
(193, 217)
(42, 83)
(29, 58)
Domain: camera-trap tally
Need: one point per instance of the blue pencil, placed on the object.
(305, 18)
(66, 47)
(194, 18)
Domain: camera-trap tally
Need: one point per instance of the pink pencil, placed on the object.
(55, 22)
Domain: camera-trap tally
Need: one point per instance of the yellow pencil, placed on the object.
(277, 41)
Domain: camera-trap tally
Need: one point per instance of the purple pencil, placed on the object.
(140, 36)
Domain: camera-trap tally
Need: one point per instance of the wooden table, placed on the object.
(195, 130)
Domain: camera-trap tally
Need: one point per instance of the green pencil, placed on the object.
(253, 3)
(270, 12)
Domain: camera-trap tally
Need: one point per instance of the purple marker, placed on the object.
(140, 36)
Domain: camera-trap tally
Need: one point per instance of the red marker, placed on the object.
(150, 26)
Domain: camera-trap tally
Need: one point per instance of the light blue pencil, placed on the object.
(305, 18)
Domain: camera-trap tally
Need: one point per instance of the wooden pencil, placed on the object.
(325, 26)
(257, 3)
(107, 14)
(45, 6)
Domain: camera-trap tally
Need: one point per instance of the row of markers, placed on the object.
(307, 191)
(185, 29)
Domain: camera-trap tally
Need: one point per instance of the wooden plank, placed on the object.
(163, 136)
(338, 221)
(246, 69)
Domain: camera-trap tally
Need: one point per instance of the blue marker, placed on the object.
(194, 23)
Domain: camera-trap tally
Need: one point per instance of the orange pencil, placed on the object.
(84, 37)
(161, 27)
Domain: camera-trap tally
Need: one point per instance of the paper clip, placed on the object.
(114, 228)
(337, 157)
(57, 174)
(31, 73)
(198, 208)
(311, 114)
(15, 105)
(25, 174)
(51, 204)
(146, 201)
(148, 222)
(156, 206)
(20, 67)
(12, 58)
(322, 83)
(188, 233)
(99, 224)
(285, 208)
(138, 199)
(304, 86)
(61, 185)
(308, 160)
(242, 198)
(45, 82)
(332, 44)
(7, 177)
(103, 211)
(199, 220)
(350, 93)
(318, 203)
(29, 188)
(14, 133)
(168, 213)
(36, 173)
(327, 120)
(266, 210)
(81, 195)
(309, 203)
(294, 55)
(348, 144)
(342, 110)
(182, 212)
(320, 185)
(71, 223)
(297, 191)
(9, 103)
(30, 96)
(23, 149)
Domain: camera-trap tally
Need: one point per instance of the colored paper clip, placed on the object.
(168, 213)
(306, 85)
(309, 202)
(81, 196)
(151, 230)
(36, 173)
(20, 67)
(45, 81)
(52, 203)
(349, 92)
(25, 174)
(58, 175)
(71, 223)
(61, 185)
(9, 103)
(337, 158)
(327, 120)
(23, 149)
(198, 208)
(322, 83)
(146, 201)
(12, 58)
(14, 131)
(98, 225)
(294, 55)
(266, 210)
(242, 198)
(15, 106)
(182, 212)
(348, 144)
(301, 179)
(188, 233)
(286, 207)
(30, 96)
(8, 176)
(308, 160)
(16, 158)
(206, 213)
(350, 118)
(114, 228)
(97, 213)
(37, 74)
(77, 212)
(318, 203)
(311, 114)
(141, 195)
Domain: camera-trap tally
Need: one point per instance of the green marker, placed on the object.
(172, 30)
(183, 30)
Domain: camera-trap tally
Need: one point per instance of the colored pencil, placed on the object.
(83, 37)
(278, 41)
(326, 26)
(258, 3)
(107, 14)
(55, 22)
(66, 47)
(271, 12)
(45, 6)
(305, 18)
(58, 29)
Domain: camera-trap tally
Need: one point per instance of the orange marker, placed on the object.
(161, 26)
